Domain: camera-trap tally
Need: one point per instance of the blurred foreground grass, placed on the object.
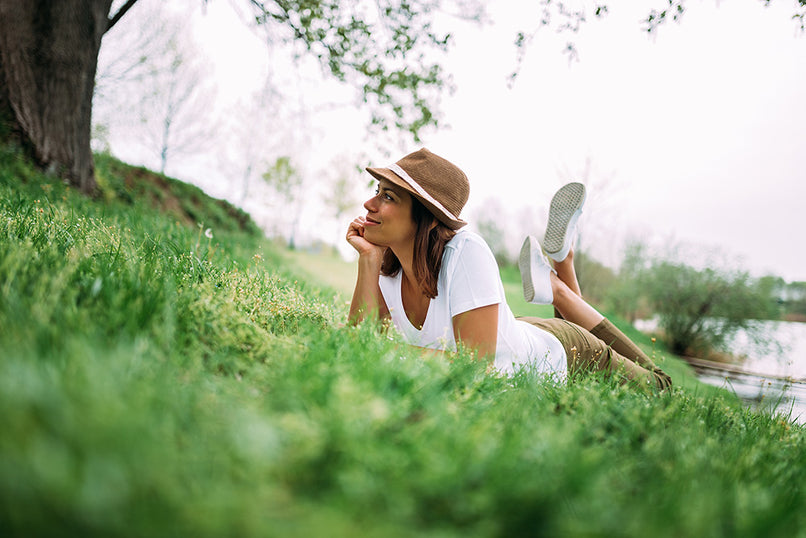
(157, 379)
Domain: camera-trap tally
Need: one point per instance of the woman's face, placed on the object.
(389, 222)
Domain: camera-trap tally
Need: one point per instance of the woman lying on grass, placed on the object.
(440, 286)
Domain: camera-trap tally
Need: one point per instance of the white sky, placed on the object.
(695, 135)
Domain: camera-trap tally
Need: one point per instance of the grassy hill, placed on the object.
(157, 379)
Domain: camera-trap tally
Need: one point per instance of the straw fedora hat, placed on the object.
(436, 182)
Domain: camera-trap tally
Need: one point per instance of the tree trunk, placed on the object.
(48, 57)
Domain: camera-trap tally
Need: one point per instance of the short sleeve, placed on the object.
(474, 279)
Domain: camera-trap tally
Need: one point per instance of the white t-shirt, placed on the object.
(469, 279)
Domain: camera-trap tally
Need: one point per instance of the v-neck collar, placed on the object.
(405, 315)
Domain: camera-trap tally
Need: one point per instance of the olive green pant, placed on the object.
(604, 348)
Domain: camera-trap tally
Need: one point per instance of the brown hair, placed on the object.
(429, 244)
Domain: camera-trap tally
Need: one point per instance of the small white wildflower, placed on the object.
(208, 233)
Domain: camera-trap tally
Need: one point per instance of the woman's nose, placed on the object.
(369, 205)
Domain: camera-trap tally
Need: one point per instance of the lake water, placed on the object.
(759, 386)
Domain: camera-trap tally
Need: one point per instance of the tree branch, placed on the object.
(119, 15)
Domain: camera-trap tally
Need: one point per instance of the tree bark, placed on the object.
(48, 57)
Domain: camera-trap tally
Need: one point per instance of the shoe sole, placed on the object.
(565, 205)
(524, 264)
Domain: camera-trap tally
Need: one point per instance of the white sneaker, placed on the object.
(535, 273)
(564, 212)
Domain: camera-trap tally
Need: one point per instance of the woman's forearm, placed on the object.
(367, 298)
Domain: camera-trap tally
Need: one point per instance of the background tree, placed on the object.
(286, 182)
(121, 75)
(625, 296)
(699, 310)
(595, 278)
(253, 136)
(159, 101)
(487, 220)
(793, 298)
(130, 52)
(340, 197)
(178, 113)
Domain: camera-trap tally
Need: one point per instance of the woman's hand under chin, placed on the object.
(355, 236)
(367, 298)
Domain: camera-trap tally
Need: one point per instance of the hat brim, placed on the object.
(442, 216)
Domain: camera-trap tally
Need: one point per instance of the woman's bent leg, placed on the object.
(566, 272)
(587, 353)
(613, 337)
(571, 306)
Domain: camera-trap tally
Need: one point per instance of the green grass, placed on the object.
(157, 382)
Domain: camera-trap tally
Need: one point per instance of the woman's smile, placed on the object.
(389, 221)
